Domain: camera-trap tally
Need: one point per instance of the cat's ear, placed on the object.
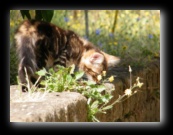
(96, 58)
(111, 60)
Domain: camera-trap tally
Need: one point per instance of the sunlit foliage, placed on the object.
(136, 37)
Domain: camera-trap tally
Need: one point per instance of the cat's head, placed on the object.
(94, 62)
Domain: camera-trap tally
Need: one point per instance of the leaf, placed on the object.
(69, 78)
(95, 104)
(78, 75)
(90, 82)
(43, 82)
(95, 119)
(47, 15)
(38, 15)
(25, 13)
(89, 100)
(100, 88)
(42, 72)
(107, 107)
(104, 100)
(51, 71)
(108, 96)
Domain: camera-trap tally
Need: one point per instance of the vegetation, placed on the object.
(133, 35)
(65, 79)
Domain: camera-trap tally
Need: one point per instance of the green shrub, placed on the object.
(13, 66)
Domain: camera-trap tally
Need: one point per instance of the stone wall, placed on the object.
(141, 107)
(144, 106)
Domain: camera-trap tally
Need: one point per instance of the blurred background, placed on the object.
(132, 35)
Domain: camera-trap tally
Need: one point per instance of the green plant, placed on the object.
(31, 88)
(33, 95)
(45, 15)
(65, 79)
(62, 80)
(13, 65)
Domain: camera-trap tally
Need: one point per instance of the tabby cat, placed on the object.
(41, 44)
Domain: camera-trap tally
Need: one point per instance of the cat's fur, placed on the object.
(43, 45)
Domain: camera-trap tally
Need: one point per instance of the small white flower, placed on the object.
(128, 92)
(137, 79)
(130, 70)
(99, 77)
(104, 73)
(140, 84)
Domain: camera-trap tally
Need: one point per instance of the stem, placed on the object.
(36, 83)
(86, 23)
(130, 80)
(115, 21)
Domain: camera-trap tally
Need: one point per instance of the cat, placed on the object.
(42, 44)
